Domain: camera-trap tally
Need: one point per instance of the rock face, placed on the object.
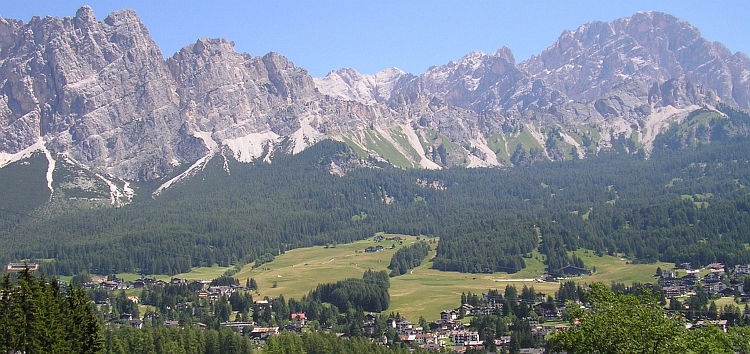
(100, 93)
(593, 60)
(97, 91)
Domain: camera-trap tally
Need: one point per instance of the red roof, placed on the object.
(298, 316)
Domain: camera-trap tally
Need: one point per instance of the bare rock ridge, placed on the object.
(100, 94)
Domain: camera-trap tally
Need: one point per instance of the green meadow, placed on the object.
(424, 291)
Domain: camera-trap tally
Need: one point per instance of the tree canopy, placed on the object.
(627, 323)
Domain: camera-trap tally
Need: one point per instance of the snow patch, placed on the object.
(351, 85)
(413, 139)
(660, 120)
(490, 158)
(50, 168)
(207, 140)
(538, 136)
(116, 195)
(476, 162)
(305, 137)
(7, 159)
(569, 139)
(195, 167)
(249, 147)
(129, 192)
(192, 170)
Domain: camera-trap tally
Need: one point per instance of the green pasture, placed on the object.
(424, 291)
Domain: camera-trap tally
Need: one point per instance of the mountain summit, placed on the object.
(99, 95)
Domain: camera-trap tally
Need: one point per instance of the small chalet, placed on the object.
(447, 315)
(671, 291)
(482, 311)
(135, 323)
(715, 266)
(262, 333)
(18, 267)
(570, 270)
(741, 269)
(373, 249)
(403, 326)
(171, 323)
(462, 337)
(299, 318)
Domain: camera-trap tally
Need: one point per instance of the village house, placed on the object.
(533, 322)
(715, 266)
(299, 318)
(740, 270)
(403, 326)
(171, 323)
(138, 324)
(722, 324)
(262, 333)
(493, 299)
(419, 339)
(18, 267)
(463, 337)
(448, 315)
(671, 291)
(669, 274)
(239, 324)
(503, 342)
(482, 311)
(572, 271)
(713, 277)
(413, 330)
(373, 249)
(710, 288)
(433, 345)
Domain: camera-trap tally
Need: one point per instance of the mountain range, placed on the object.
(99, 105)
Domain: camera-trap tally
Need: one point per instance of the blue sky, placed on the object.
(369, 36)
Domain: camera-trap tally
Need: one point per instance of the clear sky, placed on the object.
(371, 35)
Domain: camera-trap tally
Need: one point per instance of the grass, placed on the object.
(496, 142)
(524, 138)
(609, 269)
(298, 271)
(424, 291)
(376, 142)
(361, 153)
(197, 273)
(400, 137)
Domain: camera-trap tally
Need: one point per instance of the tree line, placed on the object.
(687, 205)
(408, 258)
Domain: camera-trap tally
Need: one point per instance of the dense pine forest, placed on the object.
(679, 205)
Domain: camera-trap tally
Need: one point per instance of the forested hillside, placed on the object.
(689, 204)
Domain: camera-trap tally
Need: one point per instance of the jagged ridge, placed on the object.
(100, 94)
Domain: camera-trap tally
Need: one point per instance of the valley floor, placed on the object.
(424, 291)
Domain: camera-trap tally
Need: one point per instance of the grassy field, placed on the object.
(424, 291)
(197, 273)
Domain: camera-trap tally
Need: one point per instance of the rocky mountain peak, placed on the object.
(592, 60)
(506, 54)
(101, 93)
(85, 14)
(349, 84)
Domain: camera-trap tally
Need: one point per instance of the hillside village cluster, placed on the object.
(452, 329)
